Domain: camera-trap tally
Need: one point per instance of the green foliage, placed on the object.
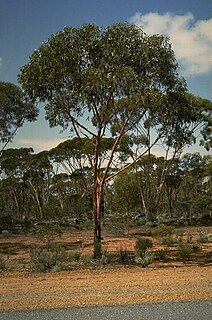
(52, 211)
(196, 247)
(205, 237)
(163, 231)
(6, 233)
(123, 255)
(161, 255)
(2, 264)
(122, 199)
(145, 260)
(142, 245)
(6, 223)
(184, 251)
(86, 259)
(49, 258)
(168, 241)
(14, 110)
(47, 232)
(122, 82)
(105, 258)
(189, 237)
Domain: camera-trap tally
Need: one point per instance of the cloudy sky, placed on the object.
(24, 24)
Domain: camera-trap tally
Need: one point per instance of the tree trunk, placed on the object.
(97, 214)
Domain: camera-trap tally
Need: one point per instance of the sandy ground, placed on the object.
(104, 287)
(21, 288)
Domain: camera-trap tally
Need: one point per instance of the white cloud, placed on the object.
(191, 40)
(0, 62)
(39, 145)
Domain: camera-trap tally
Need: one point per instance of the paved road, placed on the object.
(201, 310)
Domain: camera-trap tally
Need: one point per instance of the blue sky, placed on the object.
(24, 24)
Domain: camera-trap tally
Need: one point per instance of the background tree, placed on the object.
(123, 198)
(14, 163)
(38, 179)
(193, 196)
(14, 110)
(110, 82)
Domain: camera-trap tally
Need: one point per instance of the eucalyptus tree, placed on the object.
(13, 165)
(38, 179)
(14, 110)
(173, 180)
(150, 174)
(70, 157)
(123, 198)
(193, 199)
(26, 181)
(110, 82)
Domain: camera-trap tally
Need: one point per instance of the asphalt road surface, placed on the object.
(198, 310)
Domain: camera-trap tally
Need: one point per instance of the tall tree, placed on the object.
(110, 82)
(14, 110)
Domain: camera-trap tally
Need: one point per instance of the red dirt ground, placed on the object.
(88, 285)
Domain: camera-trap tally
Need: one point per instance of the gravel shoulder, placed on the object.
(105, 287)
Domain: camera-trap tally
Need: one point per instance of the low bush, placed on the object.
(2, 264)
(196, 247)
(161, 255)
(47, 232)
(205, 237)
(142, 245)
(47, 259)
(6, 233)
(123, 256)
(184, 251)
(105, 258)
(86, 259)
(168, 241)
(163, 231)
(145, 260)
(73, 256)
(189, 237)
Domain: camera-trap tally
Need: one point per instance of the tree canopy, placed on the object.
(114, 82)
(14, 110)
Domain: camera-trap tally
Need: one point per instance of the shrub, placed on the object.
(104, 258)
(184, 251)
(2, 264)
(168, 241)
(124, 256)
(204, 237)
(179, 235)
(86, 259)
(163, 230)
(196, 247)
(146, 259)
(189, 237)
(142, 245)
(73, 256)
(47, 232)
(6, 233)
(48, 259)
(161, 254)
